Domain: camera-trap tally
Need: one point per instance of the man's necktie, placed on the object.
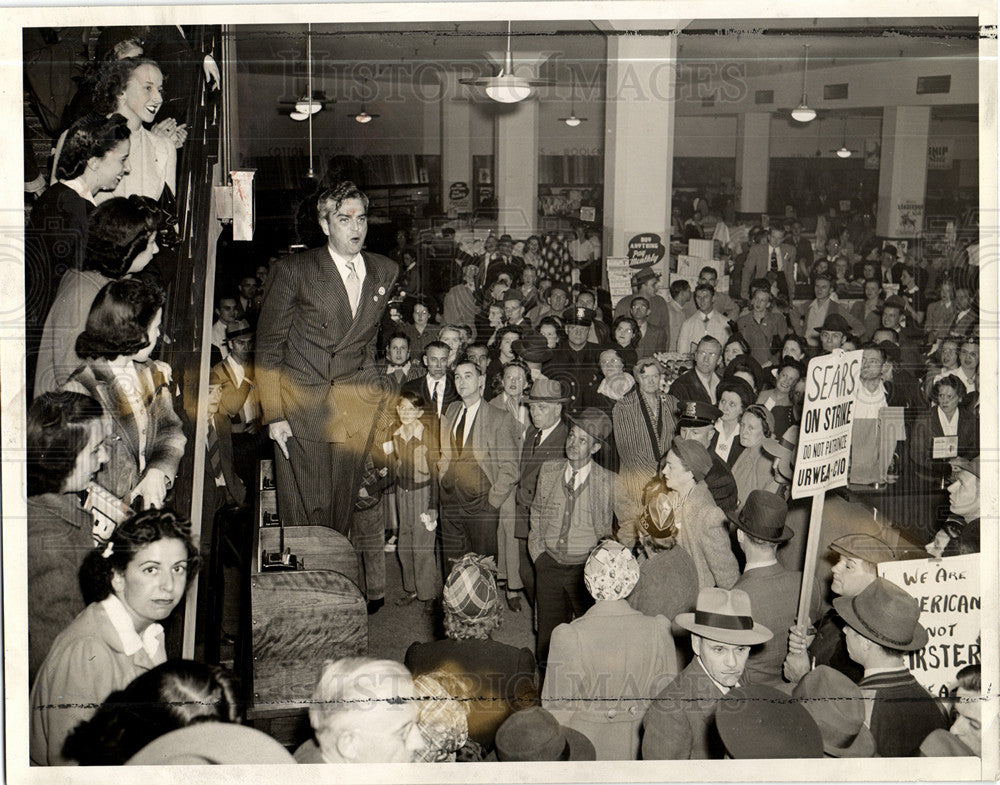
(562, 546)
(438, 395)
(214, 454)
(460, 430)
(774, 260)
(536, 441)
(353, 285)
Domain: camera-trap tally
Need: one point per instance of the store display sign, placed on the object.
(459, 196)
(619, 277)
(645, 250)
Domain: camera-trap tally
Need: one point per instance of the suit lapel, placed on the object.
(329, 289)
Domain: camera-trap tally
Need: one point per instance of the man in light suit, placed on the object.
(774, 261)
(571, 512)
(478, 468)
(544, 441)
(680, 722)
(773, 590)
(316, 360)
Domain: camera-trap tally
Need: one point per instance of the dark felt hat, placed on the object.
(645, 274)
(762, 722)
(836, 703)
(763, 516)
(886, 614)
(593, 421)
(238, 329)
(532, 348)
(695, 414)
(836, 323)
(694, 455)
(895, 302)
(865, 547)
(547, 391)
(513, 295)
(535, 735)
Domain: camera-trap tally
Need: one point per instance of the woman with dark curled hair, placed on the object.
(67, 437)
(122, 241)
(173, 695)
(122, 331)
(95, 158)
(133, 88)
(131, 584)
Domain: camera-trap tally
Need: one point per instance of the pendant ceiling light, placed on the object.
(313, 100)
(803, 113)
(844, 151)
(505, 87)
(362, 116)
(572, 121)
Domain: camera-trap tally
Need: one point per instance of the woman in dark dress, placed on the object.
(94, 158)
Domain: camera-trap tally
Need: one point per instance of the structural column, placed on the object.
(456, 146)
(516, 154)
(902, 177)
(639, 140)
(753, 160)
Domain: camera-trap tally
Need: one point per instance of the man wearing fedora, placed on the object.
(513, 309)
(644, 284)
(544, 441)
(651, 338)
(722, 631)
(571, 512)
(833, 332)
(773, 590)
(807, 320)
(856, 568)
(241, 401)
(883, 624)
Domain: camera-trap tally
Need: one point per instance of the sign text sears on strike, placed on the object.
(825, 434)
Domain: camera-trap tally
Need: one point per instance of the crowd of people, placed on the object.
(619, 471)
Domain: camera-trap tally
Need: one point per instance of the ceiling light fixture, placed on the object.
(844, 151)
(803, 113)
(363, 116)
(311, 102)
(572, 121)
(505, 87)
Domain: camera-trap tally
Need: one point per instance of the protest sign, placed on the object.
(950, 604)
(825, 434)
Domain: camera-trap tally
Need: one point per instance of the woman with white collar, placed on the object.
(132, 584)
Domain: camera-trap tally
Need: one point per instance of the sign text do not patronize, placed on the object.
(824, 449)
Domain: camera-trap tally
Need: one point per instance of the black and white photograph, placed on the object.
(537, 392)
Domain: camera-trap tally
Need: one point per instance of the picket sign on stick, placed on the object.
(823, 455)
